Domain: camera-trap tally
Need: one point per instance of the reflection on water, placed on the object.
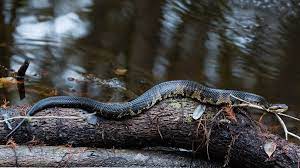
(76, 46)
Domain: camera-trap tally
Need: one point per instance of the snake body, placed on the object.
(183, 88)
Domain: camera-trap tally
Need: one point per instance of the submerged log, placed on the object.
(231, 138)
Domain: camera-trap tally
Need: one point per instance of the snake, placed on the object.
(159, 92)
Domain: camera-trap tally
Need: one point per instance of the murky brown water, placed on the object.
(115, 50)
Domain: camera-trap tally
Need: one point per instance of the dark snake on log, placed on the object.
(183, 88)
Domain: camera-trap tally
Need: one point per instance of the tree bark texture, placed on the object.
(60, 156)
(228, 137)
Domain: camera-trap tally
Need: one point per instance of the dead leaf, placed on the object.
(54, 92)
(68, 145)
(11, 143)
(198, 112)
(120, 71)
(269, 148)
(229, 113)
(5, 104)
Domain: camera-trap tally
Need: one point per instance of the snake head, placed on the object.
(277, 108)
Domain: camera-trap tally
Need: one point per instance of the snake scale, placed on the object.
(183, 88)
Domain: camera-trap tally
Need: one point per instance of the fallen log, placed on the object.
(231, 138)
(60, 156)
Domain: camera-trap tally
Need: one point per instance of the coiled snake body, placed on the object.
(157, 93)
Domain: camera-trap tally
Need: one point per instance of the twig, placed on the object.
(45, 117)
(286, 132)
(228, 152)
(248, 104)
(209, 133)
(158, 130)
(282, 114)
(240, 99)
(261, 117)
(5, 116)
(204, 126)
(12, 144)
(283, 126)
(294, 135)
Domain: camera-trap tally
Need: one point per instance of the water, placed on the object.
(115, 50)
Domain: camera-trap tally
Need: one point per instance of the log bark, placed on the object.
(59, 156)
(234, 138)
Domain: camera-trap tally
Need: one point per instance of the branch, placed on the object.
(237, 142)
(23, 68)
(59, 156)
